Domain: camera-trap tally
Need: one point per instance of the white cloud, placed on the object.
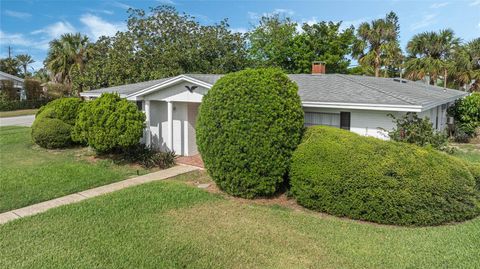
(427, 20)
(57, 29)
(121, 5)
(241, 30)
(475, 3)
(104, 11)
(14, 39)
(439, 5)
(97, 27)
(18, 15)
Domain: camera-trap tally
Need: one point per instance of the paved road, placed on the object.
(18, 121)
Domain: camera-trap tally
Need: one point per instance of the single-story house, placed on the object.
(360, 104)
(17, 83)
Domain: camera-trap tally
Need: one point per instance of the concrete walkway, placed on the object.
(80, 196)
(18, 121)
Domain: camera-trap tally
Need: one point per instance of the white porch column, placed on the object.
(170, 124)
(148, 140)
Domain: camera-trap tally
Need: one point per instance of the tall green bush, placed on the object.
(249, 123)
(466, 113)
(109, 123)
(344, 174)
(33, 89)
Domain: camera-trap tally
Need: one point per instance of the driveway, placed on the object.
(18, 121)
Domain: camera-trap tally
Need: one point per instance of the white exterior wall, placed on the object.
(364, 122)
(370, 122)
(184, 119)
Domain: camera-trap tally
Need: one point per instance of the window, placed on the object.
(317, 118)
(139, 105)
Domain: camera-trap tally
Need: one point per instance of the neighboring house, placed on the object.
(17, 83)
(357, 103)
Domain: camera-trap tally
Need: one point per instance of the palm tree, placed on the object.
(377, 43)
(430, 54)
(466, 71)
(24, 60)
(67, 55)
(10, 66)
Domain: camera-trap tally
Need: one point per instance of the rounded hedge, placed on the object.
(64, 110)
(249, 123)
(344, 174)
(51, 133)
(109, 122)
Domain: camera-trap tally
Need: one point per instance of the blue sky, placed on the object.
(28, 25)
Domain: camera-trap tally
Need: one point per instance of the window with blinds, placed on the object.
(317, 118)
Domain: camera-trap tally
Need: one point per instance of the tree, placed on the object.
(430, 54)
(377, 43)
(162, 43)
(323, 41)
(66, 54)
(272, 42)
(24, 60)
(10, 66)
(466, 69)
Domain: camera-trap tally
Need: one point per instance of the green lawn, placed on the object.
(469, 152)
(15, 113)
(30, 174)
(172, 224)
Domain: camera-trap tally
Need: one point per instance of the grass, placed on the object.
(469, 152)
(172, 224)
(30, 174)
(14, 113)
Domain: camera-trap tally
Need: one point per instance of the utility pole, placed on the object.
(9, 52)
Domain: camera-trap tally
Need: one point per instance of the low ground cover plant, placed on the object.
(149, 157)
(54, 122)
(249, 123)
(344, 174)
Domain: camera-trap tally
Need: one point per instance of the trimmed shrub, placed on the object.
(51, 133)
(64, 109)
(344, 174)
(109, 123)
(249, 123)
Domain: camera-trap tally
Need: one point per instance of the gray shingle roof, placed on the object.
(337, 88)
(129, 88)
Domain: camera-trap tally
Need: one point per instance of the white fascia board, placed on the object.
(170, 82)
(381, 107)
(96, 94)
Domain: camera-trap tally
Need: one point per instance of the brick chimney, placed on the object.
(318, 68)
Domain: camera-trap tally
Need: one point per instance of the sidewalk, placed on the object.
(80, 196)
